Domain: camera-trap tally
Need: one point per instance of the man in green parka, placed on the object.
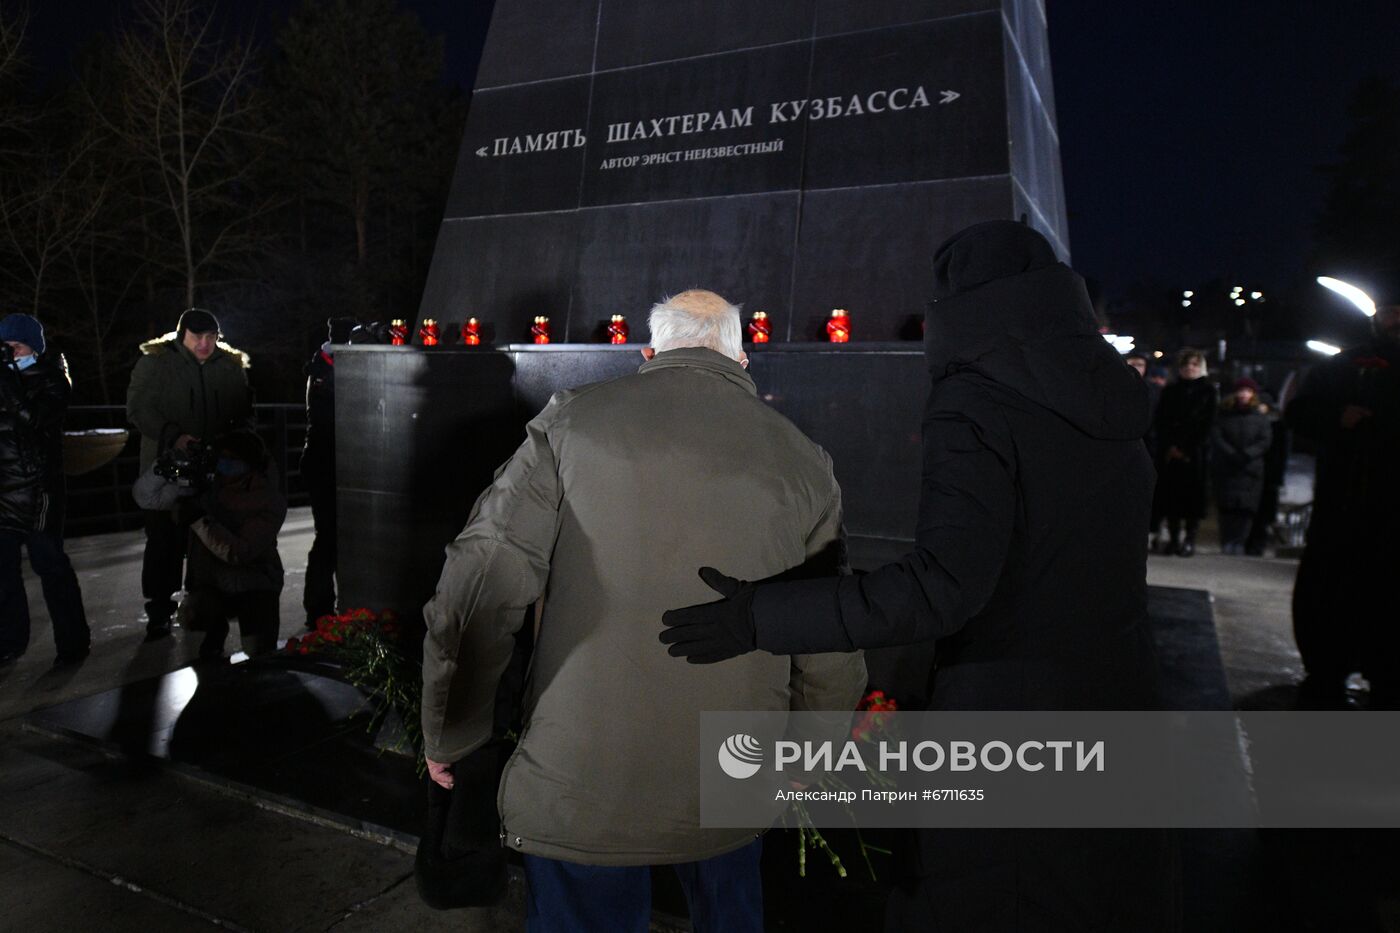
(187, 387)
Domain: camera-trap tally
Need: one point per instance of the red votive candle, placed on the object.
(539, 331)
(838, 328)
(760, 331)
(617, 329)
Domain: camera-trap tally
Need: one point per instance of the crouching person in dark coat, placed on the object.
(34, 389)
(1029, 568)
(1239, 441)
(234, 568)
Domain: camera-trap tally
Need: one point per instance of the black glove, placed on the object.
(717, 631)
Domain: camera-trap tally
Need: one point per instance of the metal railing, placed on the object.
(100, 501)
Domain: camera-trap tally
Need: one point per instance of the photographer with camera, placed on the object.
(34, 390)
(187, 387)
(234, 568)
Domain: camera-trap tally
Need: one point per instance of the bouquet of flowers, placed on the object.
(869, 728)
(368, 648)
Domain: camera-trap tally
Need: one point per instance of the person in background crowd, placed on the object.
(1184, 418)
(1239, 442)
(1275, 470)
(593, 801)
(34, 389)
(1028, 567)
(235, 570)
(318, 472)
(1344, 616)
(188, 386)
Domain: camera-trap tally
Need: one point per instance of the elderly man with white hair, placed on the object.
(619, 491)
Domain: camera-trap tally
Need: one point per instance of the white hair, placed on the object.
(696, 319)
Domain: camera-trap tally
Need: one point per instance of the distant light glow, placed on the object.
(1120, 342)
(1156, 354)
(1188, 294)
(1351, 293)
(1239, 301)
(1326, 349)
(1256, 295)
(1185, 303)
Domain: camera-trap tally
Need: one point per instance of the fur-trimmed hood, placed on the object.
(166, 343)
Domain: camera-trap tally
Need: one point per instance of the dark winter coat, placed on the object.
(1356, 486)
(1028, 567)
(1239, 442)
(1029, 561)
(1344, 597)
(32, 404)
(318, 453)
(1154, 399)
(1184, 419)
(233, 549)
(172, 393)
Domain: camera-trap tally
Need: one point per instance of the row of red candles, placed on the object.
(838, 330)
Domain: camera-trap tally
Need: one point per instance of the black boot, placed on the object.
(156, 629)
(1187, 548)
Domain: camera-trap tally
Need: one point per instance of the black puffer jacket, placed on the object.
(32, 404)
(1239, 442)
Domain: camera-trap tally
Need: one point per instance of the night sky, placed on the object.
(1191, 133)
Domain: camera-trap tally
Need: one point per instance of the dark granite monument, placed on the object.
(795, 157)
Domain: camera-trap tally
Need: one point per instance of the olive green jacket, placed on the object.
(171, 394)
(620, 492)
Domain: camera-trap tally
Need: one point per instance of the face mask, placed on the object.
(24, 362)
(230, 468)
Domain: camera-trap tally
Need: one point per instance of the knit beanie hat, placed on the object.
(24, 329)
(196, 321)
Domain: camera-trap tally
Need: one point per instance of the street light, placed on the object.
(1120, 342)
(1351, 293)
(1326, 349)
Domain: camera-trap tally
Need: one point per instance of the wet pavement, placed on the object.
(99, 838)
(93, 839)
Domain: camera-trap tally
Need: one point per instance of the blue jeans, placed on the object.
(61, 593)
(725, 893)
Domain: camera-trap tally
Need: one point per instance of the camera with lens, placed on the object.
(191, 467)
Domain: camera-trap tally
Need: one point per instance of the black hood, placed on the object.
(1004, 308)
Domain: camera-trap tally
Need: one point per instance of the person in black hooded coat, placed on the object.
(1028, 567)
